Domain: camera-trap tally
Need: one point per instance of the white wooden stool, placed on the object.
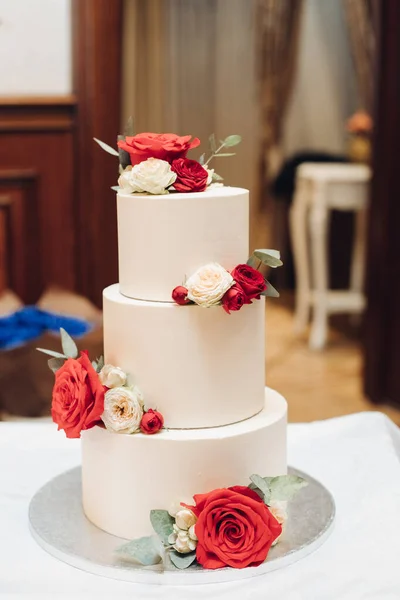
(321, 187)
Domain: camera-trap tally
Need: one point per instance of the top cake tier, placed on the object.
(164, 239)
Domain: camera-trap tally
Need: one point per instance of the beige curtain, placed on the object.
(144, 76)
(278, 25)
(190, 68)
(360, 20)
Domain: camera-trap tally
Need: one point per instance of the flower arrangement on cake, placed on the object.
(229, 527)
(89, 393)
(156, 163)
(213, 285)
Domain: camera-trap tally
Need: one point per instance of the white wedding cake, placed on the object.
(179, 433)
(203, 369)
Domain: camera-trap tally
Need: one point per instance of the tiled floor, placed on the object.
(317, 385)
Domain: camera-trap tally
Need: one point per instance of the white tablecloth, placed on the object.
(356, 457)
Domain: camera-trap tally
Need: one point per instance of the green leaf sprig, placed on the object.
(69, 350)
(281, 488)
(228, 142)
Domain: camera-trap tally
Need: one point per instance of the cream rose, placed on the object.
(152, 175)
(208, 284)
(185, 518)
(279, 510)
(183, 540)
(112, 377)
(123, 410)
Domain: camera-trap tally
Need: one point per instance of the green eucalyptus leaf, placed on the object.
(100, 363)
(261, 484)
(124, 157)
(143, 551)
(202, 159)
(226, 154)
(55, 363)
(271, 258)
(182, 561)
(116, 188)
(285, 487)
(253, 262)
(216, 177)
(52, 353)
(212, 142)
(129, 127)
(162, 523)
(232, 140)
(106, 147)
(68, 345)
(270, 292)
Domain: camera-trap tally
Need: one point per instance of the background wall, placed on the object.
(324, 93)
(35, 47)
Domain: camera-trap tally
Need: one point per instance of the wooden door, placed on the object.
(382, 319)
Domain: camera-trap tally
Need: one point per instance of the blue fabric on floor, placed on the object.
(31, 322)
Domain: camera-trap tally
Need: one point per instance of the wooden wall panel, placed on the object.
(97, 27)
(37, 187)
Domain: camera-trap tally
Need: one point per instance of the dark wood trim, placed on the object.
(19, 203)
(382, 319)
(37, 114)
(97, 54)
(68, 100)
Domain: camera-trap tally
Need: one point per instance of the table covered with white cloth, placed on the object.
(356, 457)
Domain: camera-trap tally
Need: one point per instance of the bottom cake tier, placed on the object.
(126, 476)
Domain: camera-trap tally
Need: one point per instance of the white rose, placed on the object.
(124, 180)
(123, 410)
(210, 173)
(152, 175)
(279, 510)
(112, 377)
(208, 284)
(185, 518)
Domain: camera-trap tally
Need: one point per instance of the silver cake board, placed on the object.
(58, 524)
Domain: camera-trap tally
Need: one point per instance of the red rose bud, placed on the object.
(251, 281)
(152, 421)
(233, 299)
(179, 295)
(191, 176)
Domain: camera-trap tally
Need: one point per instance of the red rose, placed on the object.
(191, 176)
(152, 421)
(179, 295)
(166, 146)
(251, 281)
(234, 528)
(78, 396)
(233, 299)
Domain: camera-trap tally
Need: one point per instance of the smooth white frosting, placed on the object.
(164, 239)
(199, 366)
(125, 476)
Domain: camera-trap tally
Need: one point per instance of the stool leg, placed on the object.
(358, 257)
(319, 261)
(298, 230)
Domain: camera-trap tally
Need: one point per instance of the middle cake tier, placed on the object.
(199, 366)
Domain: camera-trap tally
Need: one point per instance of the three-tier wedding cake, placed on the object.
(203, 369)
(179, 433)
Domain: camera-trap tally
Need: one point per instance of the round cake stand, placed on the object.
(58, 524)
